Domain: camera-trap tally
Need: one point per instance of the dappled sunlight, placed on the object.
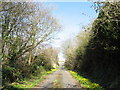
(76, 45)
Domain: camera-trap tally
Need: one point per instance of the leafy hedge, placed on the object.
(31, 82)
(99, 58)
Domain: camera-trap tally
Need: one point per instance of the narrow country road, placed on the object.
(59, 79)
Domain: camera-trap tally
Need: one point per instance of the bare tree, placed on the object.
(24, 27)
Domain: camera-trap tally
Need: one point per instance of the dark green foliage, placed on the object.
(102, 56)
(10, 87)
(100, 60)
(12, 73)
(25, 26)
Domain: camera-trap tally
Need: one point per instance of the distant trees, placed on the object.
(99, 58)
(69, 53)
(52, 55)
(25, 26)
(75, 49)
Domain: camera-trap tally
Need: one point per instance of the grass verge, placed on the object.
(29, 83)
(86, 83)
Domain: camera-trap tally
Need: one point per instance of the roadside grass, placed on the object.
(86, 83)
(29, 83)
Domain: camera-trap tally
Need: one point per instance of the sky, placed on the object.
(68, 0)
(72, 16)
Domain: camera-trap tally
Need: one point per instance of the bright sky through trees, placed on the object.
(73, 16)
(68, 0)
